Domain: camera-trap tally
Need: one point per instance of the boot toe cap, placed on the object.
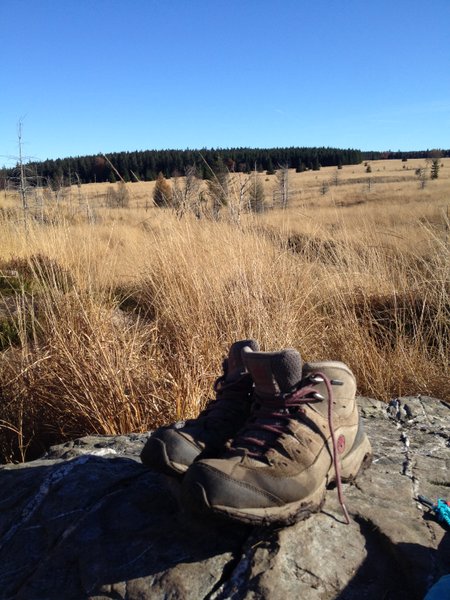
(168, 451)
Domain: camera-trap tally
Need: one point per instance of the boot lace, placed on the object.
(229, 401)
(228, 404)
(273, 415)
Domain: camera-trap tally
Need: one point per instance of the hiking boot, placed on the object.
(303, 434)
(173, 448)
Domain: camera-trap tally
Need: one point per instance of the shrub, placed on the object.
(162, 193)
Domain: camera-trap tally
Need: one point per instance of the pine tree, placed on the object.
(316, 164)
(162, 194)
(435, 166)
(270, 169)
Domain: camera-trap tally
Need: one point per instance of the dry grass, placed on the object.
(117, 320)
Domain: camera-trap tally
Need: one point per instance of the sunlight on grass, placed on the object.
(118, 320)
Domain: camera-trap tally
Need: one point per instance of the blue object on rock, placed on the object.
(440, 590)
(442, 510)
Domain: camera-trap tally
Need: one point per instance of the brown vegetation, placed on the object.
(116, 319)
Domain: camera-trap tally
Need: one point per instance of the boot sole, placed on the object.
(358, 459)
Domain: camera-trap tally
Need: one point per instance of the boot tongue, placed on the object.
(235, 362)
(274, 372)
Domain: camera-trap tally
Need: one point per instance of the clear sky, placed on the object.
(88, 76)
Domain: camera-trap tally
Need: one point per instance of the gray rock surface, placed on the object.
(88, 521)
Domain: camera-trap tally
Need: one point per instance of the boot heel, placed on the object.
(357, 460)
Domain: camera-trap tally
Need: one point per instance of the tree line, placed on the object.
(401, 155)
(146, 165)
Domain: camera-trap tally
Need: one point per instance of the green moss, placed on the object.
(9, 336)
(26, 275)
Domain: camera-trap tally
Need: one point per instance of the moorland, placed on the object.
(116, 318)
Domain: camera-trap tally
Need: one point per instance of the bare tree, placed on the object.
(118, 197)
(335, 177)
(23, 186)
(186, 195)
(256, 194)
(421, 174)
(218, 190)
(177, 196)
(281, 192)
(24, 180)
(111, 197)
(237, 198)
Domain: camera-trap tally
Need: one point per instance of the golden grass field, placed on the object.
(117, 320)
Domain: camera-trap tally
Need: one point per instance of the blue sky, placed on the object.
(89, 76)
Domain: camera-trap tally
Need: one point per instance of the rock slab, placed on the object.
(88, 521)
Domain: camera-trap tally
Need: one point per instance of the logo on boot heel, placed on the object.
(341, 444)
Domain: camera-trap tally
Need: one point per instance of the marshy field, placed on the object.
(116, 320)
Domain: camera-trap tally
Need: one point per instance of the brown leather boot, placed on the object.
(303, 434)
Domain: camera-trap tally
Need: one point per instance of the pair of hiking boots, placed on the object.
(278, 433)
